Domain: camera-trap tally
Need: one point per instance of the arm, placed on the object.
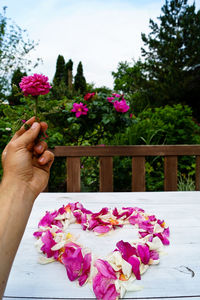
(26, 168)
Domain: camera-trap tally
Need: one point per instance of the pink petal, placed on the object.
(144, 253)
(102, 229)
(104, 288)
(73, 264)
(154, 255)
(126, 249)
(85, 269)
(37, 233)
(111, 293)
(48, 242)
(135, 263)
(105, 269)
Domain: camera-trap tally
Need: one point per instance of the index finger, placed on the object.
(23, 128)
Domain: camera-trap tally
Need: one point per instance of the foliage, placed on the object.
(168, 125)
(185, 183)
(14, 97)
(97, 127)
(170, 72)
(62, 82)
(173, 48)
(15, 46)
(79, 80)
(60, 70)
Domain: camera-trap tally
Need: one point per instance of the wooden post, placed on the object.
(73, 174)
(170, 170)
(197, 173)
(138, 174)
(106, 174)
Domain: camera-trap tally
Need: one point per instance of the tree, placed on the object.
(79, 80)
(15, 46)
(13, 98)
(172, 56)
(60, 70)
(68, 73)
(173, 49)
(128, 78)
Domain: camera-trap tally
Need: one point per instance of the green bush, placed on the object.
(166, 125)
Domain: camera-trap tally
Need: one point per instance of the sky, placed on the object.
(99, 33)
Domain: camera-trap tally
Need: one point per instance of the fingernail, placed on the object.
(35, 125)
(41, 159)
(40, 148)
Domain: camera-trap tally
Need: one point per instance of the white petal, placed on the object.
(158, 228)
(45, 260)
(58, 246)
(126, 268)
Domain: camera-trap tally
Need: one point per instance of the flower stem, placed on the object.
(36, 107)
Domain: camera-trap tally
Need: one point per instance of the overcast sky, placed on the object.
(100, 33)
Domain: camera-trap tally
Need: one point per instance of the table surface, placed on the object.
(176, 277)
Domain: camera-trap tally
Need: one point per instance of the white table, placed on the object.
(176, 277)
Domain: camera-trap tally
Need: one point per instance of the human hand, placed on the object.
(25, 160)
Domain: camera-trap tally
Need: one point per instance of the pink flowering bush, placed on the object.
(35, 85)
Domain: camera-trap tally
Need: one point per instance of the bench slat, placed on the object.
(138, 174)
(170, 171)
(106, 174)
(73, 174)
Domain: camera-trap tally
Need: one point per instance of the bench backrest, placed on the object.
(138, 154)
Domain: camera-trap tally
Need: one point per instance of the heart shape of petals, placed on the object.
(110, 277)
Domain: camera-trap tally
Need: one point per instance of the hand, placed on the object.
(25, 159)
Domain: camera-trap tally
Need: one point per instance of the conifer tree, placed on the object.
(60, 70)
(173, 50)
(79, 80)
(68, 73)
(13, 98)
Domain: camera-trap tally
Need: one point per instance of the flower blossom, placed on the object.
(121, 106)
(79, 109)
(35, 85)
(88, 96)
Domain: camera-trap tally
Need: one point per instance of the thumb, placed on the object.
(30, 135)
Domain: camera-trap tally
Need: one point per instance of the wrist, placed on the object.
(17, 189)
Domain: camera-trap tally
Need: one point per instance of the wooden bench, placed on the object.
(138, 154)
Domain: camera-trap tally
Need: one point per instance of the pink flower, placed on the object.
(117, 95)
(79, 109)
(110, 99)
(121, 106)
(35, 85)
(88, 96)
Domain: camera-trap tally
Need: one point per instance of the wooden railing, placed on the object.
(138, 154)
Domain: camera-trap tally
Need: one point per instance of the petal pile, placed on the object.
(112, 277)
